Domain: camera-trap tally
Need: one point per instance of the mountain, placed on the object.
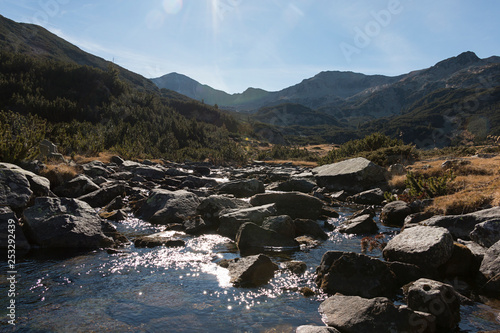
(38, 42)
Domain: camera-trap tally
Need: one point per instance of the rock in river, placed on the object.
(293, 204)
(251, 271)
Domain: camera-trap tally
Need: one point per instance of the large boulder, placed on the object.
(253, 237)
(105, 194)
(460, 226)
(394, 213)
(282, 224)
(354, 314)
(353, 175)
(369, 197)
(11, 232)
(427, 247)
(15, 189)
(293, 204)
(64, 223)
(486, 233)
(38, 184)
(351, 273)
(231, 220)
(295, 185)
(166, 207)
(490, 271)
(310, 228)
(95, 169)
(76, 187)
(251, 271)
(149, 172)
(360, 225)
(210, 207)
(242, 188)
(437, 298)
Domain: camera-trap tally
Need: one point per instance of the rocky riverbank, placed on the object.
(434, 264)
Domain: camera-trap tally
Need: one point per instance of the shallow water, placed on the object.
(177, 289)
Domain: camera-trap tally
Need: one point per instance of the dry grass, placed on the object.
(398, 182)
(476, 185)
(57, 174)
(104, 157)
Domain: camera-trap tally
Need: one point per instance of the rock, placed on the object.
(406, 273)
(477, 251)
(210, 207)
(354, 175)
(117, 160)
(10, 230)
(461, 263)
(40, 186)
(309, 227)
(114, 215)
(413, 219)
(394, 213)
(486, 233)
(231, 220)
(76, 187)
(110, 230)
(296, 267)
(296, 185)
(436, 298)
(293, 204)
(460, 226)
(197, 182)
(397, 169)
(367, 210)
(423, 246)
(369, 197)
(307, 241)
(363, 224)
(105, 194)
(64, 223)
(340, 195)
(356, 314)
(250, 237)
(47, 148)
(166, 207)
(242, 188)
(282, 224)
(490, 271)
(251, 271)
(149, 172)
(15, 189)
(351, 273)
(315, 329)
(196, 225)
(159, 239)
(201, 170)
(95, 169)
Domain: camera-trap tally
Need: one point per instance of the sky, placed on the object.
(270, 44)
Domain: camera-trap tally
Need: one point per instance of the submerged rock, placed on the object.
(159, 239)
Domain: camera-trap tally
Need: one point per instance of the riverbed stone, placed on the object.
(15, 189)
(293, 204)
(309, 227)
(295, 185)
(316, 329)
(490, 271)
(351, 273)
(250, 237)
(357, 314)
(282, 224)
(251, 271)
(486, 233)
(360, 225)
(64, 223)
(211, 207)
(394, 213)
(423, 246)
(354, 175)
(149, 172)
(178, 206)
(231, 220)
(242, 188)
(76, 187)
(105, 194)
(40, 186)
(369, 197)
(159, 239)
(437, 298)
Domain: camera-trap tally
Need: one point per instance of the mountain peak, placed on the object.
(463, 59)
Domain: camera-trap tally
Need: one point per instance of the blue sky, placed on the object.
(271, 44)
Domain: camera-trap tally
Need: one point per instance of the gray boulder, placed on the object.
(242, 188)
(360, 225)
(95, 169)
(369, 197)
(295, 266)
(159, 239)
(486, 233)
(76, 187)
(427, 247)
(394, 213)
(351, 273)
(166, 207)
(316, 329)
(196, 225)
(293, 204)
(64, 223)
(38, 184)
(15, 189)
(117, 160)
(251, 237)
(437, 298)
(460, 226)
(353, 175)
(282, 224)
(11, 230)
(295, 185)
(231, 220)
(210, 207)
(149, 172)
(105, 194)
(354, 314)
(490, 271)
(251, 271)
(308, 227)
